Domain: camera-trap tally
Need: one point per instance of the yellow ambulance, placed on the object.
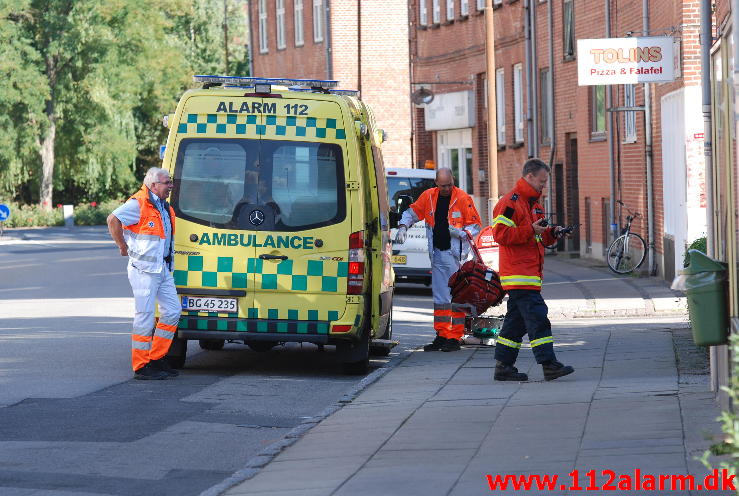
(282, 230)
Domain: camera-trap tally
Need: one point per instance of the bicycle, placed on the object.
(626, 253)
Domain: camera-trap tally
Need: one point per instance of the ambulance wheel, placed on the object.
(177, 353)
(359, 355)
(261, 346)
(212, 344)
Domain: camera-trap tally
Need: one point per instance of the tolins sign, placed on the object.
(626, 60)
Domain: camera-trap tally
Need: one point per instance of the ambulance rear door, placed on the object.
(217, 143)
(301, 264)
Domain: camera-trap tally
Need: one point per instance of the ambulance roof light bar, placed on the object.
(253, 81)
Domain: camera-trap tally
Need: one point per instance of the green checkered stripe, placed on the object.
(230, 124)
(288, 126)
(254, 325)
(321, 276)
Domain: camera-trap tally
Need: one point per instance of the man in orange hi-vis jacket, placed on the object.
(519, 228)
(448, 212)
(143, 228)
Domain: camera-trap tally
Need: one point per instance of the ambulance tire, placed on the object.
(261, 346)
(212, 344)
(359, 350)
(177, 353)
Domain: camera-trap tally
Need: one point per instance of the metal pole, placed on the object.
(492, 102)
(648, 151)
(611, 141)
(327, 40)
(706, 40)
(534, 94)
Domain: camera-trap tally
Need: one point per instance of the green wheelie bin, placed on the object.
(705, 285)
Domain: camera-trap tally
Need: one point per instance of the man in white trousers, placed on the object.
(143, 229)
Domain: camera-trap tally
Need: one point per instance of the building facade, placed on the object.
(363, 45)
(597, 156)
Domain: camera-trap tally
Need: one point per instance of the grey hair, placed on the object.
(444, 170)
(533, 166)
(153, 175)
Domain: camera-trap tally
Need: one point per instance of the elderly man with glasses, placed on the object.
(143, 228)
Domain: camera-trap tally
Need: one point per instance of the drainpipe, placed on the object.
(359, 47)
(550, 119)
(527, 63)
(706, 40)
(611, 140)
(534, 81)
(327, 41)
(648, 150)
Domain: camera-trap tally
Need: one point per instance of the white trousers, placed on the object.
(445, 264)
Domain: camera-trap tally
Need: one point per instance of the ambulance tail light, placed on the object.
(355, 279)
(341, 328)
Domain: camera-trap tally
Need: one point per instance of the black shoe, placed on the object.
(164, 366)
(436, 344)
(505, 372)
(149, 373)
(553, 369)
(451, 345)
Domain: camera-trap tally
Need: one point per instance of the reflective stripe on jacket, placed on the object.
(462, 214)
(521, 251)
(146, 240)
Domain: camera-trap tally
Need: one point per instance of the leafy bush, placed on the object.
(698, 244)
(89, 214)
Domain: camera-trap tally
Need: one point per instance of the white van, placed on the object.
(411, 259)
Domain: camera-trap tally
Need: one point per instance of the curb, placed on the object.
(266, 455)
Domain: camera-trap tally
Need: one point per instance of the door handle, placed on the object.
(265, 256)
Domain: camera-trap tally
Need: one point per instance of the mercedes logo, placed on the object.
(256, 217)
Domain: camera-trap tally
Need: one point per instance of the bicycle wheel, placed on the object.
(626, 253)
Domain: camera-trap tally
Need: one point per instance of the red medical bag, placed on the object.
(476, 284)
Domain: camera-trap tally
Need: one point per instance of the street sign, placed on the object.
(4, 212)
(645, 59)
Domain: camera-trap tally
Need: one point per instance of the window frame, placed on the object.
(518, 117)
(500, 111)
(298, 23)
(263, 28)
(423, 13)
(318, 21)
(464, 7)
(630, 134)
(436, 12)
(597, 113)
(480, 5)
(449, 10)
(280, 24)
(545, 105)
(568, 30)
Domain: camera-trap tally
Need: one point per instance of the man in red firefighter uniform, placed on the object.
(143, 229)
(520, 230)
(448, 212)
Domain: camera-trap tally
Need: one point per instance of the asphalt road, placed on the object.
(73, 422)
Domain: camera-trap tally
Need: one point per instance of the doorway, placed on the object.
(455, 152)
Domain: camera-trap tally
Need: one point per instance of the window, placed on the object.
(280, 20)
(423, 13)
(598, 109)
(497, 2)
(464, 7)
(263, 48)
(298, 185)
(318, 21)
(436, 11)
(545, 102)
(449, 10)
(299, 38)
(500, 104)
(629, 115)
(518, 120)
(569, 29)
(480, 4)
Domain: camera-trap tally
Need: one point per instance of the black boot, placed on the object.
(436, 344)
(553, 369)
(163, 365)
(451, 345)
(149, 373)
(505, 372)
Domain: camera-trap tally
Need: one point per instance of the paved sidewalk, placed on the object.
(437, 424)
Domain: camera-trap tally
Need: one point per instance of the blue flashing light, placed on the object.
(251, 81)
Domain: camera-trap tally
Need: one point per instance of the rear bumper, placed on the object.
(411, 274)
(232, 328)
(281, 337)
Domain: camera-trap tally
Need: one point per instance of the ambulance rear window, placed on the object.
(294, 185)
(409, 186)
